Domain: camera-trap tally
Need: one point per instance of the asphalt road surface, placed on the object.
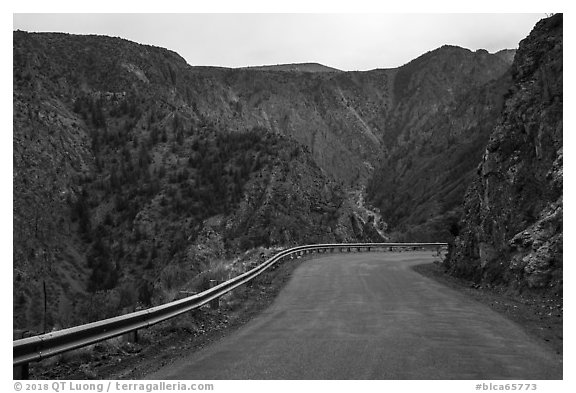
(369, 316)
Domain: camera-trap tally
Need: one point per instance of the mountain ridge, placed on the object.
(294, 67)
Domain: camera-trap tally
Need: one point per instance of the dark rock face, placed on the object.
(447, 102)
(131, 166)
(512, 228)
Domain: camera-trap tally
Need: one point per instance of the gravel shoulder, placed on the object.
(540, 315)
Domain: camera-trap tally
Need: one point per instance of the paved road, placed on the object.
(369, 316)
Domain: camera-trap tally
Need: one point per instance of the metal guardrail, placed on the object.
(39, 347)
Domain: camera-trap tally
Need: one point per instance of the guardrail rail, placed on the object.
(42, 346)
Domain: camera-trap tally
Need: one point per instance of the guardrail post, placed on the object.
(368, 249)
(349, 249)
(214, 303)
(135, 332)
(22, 371)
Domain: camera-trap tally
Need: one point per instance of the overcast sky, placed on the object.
(344, 41)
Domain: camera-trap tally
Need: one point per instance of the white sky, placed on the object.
(345, 41)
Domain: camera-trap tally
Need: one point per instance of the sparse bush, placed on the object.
(217, 270)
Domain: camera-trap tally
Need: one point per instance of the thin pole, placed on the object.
(45, 304)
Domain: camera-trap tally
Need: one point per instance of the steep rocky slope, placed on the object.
(445, 105)
(131, 175)
(420, 186)
(328, 114)
(512, 229)
(133, 170)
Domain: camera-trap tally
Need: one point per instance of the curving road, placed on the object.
(369, 316)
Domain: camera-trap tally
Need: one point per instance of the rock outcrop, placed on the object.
(446, 104)
(512, 228)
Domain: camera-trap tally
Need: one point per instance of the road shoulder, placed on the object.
(540, 316)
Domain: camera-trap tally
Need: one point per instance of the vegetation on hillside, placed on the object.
(420, 186)
(126, 186)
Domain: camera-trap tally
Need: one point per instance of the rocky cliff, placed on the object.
(512, 228)
(446, 104)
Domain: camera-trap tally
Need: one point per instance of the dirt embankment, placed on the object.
(122, 358)
(541, 316)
